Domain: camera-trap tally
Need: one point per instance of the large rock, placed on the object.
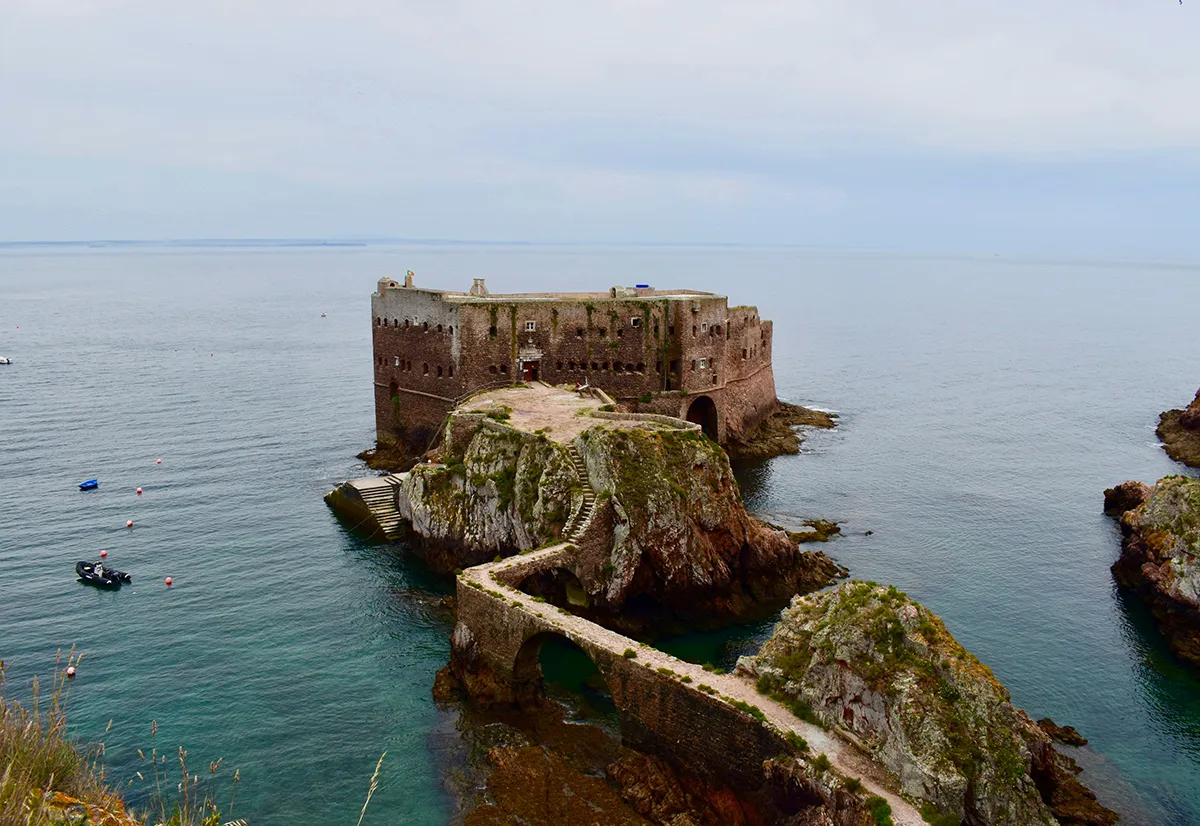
(1180, 433)
(1160, 560)
(869, 660)
(669, 535)
(501, 490)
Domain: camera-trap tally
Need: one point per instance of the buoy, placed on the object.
(129, 523)
(158, 461)
(103, 554)
(139, 491)
(71, 671)
(168, 582)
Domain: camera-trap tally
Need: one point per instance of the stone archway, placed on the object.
(703, 411)
(527, 676)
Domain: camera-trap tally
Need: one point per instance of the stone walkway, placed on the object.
(844, 756)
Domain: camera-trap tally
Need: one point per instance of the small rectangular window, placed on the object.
(704, 326)
(397, 364)
(702, 364)
(635, 322)
(530, 326)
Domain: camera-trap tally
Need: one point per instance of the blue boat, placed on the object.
(90, 484)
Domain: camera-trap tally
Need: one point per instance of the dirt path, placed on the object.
(843, 755)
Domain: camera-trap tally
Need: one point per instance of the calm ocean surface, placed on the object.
(985, 403)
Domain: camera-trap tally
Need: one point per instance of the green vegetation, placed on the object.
(773, 688)
(500, 414)
(607, 408)
(880, 810)
(707, 689)
(713, 669)
(630, 654)
(796, 742)
(645, 398)
(821, 763)
(931, 815)
(666, 672)
(852, 785)
(753, 711)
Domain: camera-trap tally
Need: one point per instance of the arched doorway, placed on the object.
(548, 660)
(703, 411)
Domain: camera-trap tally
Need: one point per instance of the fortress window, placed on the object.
(618, 367)
(397, 364)
(714, 378)
(674, 365)
(530, 326)
(716, 329)
(702, 364)
(492, 369)
(620, 332)
(656, 328)
(407, 322)
(606, 366)
(492, 331)
(450, 370)
(579, 332)
(641, 368)
(395, 322)
(504, 369)
(559, 366)
(635, 322)
(439, 371)
(671, 330)
(658, 367)
(595, 366)
(745, 352)
(693, 331)
(603, 332)
(439, 328)
(425, 368)
(450, 329)
(425, 326)
(704, 326)
(377, 321)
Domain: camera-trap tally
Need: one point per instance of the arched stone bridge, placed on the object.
(665, 704)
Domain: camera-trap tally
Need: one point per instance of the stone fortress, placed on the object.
(681, 353)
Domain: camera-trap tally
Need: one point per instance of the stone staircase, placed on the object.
(578, 526)
(378, 495)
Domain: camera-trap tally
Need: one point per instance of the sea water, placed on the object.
(985, 403)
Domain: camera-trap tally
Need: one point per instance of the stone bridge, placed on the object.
(717, 725)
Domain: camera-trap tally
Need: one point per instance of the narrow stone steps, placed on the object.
(576, 529)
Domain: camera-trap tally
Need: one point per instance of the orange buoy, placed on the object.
(139, 491)
(168, 582)
(103, 554)
(129, 523)
(71, 671)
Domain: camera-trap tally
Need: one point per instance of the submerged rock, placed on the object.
(1160, 560)
(868, 660)
(1067, 735)
(776, 435)
(1180, 433)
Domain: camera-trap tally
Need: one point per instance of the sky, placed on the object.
(1070, 127)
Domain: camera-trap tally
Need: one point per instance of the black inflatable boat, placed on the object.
(100, 575)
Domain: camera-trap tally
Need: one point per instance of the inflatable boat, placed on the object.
(100, 575)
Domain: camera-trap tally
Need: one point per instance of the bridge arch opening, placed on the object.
(703, 411)
(558, 586)
(550, 664)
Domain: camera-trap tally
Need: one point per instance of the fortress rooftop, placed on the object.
(479, 293)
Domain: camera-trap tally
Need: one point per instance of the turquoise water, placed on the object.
(985, 406)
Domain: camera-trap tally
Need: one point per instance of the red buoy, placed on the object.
(71, 671)
(103, 554)
(129, 523)
(168, 582)
(158, 461)
(139, 491)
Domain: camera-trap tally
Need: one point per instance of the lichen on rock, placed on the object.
(869, 660)
(1160, 560)
(1180, 433)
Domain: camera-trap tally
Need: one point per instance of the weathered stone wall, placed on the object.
(431, 347)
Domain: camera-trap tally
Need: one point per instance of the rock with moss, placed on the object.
(497, 490)
(867, 659)
(777, 433)
(1160, 560)
(671, 534)
(1180, 433)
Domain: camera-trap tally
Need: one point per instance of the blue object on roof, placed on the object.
(641, 286)
(90, 484)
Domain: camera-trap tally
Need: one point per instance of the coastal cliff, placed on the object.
(776, 435)
(1160, 555)
(867, 659)
(1180, 433)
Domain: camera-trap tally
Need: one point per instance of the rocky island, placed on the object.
(1160, 554)
(867, 660)
(1180, 433)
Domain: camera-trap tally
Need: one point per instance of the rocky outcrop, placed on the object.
(670, 532)
(1180, 433)
(499, 490)
(1160, 560)
(776, 435)
(1125, 497)
(668, 536)
(867, 659)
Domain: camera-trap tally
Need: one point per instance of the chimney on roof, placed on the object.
(477, 288)
(408, 278)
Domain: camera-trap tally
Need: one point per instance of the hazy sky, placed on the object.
(1016, 126)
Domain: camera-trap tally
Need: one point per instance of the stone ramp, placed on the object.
(371, 504)
(492, 589)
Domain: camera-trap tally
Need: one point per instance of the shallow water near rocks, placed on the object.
(985, 405)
